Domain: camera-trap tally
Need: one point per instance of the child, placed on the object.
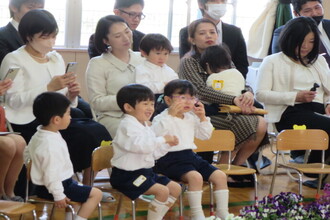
(186, 118)
(216, 60)
(153, 72)
(135, 149)
(51, 166)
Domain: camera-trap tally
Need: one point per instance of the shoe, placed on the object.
(298, 159)
(14, 198)
(212, 218)
(313, 183)
(147, 198)
(107, 197)
(241, 181)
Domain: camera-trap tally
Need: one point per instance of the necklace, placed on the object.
(38, 58)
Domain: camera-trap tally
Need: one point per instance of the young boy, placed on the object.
(216, 60)
(136, 147)
(186, 118)
(51, 166)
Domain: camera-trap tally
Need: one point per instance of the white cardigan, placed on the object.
(275, 83)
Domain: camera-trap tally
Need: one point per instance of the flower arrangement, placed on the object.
(287, 206)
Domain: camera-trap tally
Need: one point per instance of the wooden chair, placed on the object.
(35, 199)
(224, 140)
(8, 208)
(309, 139)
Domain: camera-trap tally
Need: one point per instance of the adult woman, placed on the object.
(249, 130)
(286, 78)
(107, 73)
(41, 71)
(11, 157)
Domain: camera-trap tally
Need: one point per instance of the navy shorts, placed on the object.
(134, 183)
(75, 192)
(175, 164)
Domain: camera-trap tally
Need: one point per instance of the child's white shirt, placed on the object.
(51, 162)
(185, 129)
(136, 146)
(230, 82)
(154, 76)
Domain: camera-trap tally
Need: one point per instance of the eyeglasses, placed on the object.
(185, 98)
(133, 15)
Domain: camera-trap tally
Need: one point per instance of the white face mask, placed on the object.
(43, 46)
(216, 11)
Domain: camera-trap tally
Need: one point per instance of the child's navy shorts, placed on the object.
(75, 192)
(175, 164)
(134, 183)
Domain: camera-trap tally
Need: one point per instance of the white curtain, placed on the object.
(261, 32)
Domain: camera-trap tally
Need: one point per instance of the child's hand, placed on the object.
(175, 108)
(199, 111)
(62, 203)
(171, 140)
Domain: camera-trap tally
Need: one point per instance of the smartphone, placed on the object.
(71, 67)
(315, 86)
(12, 72)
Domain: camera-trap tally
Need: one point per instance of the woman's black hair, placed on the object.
(133, 94)
(37, 21)
(102, 30)
(293, 35)
(217, 57)
(179, 86)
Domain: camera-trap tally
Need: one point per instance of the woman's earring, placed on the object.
(109, 48)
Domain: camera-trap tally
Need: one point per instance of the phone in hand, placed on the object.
(12, 72)
(315, 86)
(71, 67)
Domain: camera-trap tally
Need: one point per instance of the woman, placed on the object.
(249, 130)
(286, 78)
(11, 157)
(41, 70)
(107, 73)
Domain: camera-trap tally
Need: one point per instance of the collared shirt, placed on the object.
(219, 27)
(14, 23)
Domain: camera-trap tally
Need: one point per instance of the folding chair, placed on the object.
(16, 208)
(224, 140)
(309, 139)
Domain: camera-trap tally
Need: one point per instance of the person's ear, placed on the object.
(106, 41)
(116, 11)
(143, 53)
(167, 100)
(55, 119)
(13, 9)
(191, 40)
(296, 14)
(128, 108)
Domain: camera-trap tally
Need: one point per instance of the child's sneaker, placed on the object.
(212, 218)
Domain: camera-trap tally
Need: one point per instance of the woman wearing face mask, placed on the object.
(42, 70)
(115, 68)
(231, 35)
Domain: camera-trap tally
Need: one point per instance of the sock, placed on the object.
(195, 203)
(77, 217)
(221, 199)
(168, 204)
(68, 216)
(155, 210)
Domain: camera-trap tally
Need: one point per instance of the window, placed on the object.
(4, 13)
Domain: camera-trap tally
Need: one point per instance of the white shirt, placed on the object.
(219, 28)
(14, 23)
(154, 76)
(30, 81)
(185, 129)
(136, 146)
(51, 162)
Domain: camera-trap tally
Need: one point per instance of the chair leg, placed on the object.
(317, 196)
(52, 212)
(99, 207)
(34, 214)
(116, 217)
(133, 210)
(4, 216)
(181, 203)
(274, 176)
(211, 199)
(70, 207)
(255, 188)
(300, 182)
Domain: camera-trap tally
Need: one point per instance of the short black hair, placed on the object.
(37, 21)
(179, 86)
(155, 41)
(133, 94)
(293, 36)
(297, 4)
(102, 30)
(217, 57)
(119, 4)
(18, 3)
(49, 104)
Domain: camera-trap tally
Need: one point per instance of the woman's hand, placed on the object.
(199, 111)
(73, 90)
(305, 96)
(5, 85)
(60, 82)
(245, 102)
(327, 109)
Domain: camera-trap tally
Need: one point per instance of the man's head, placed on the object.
(308, 8)
(213, 9)
(131, 11)
(18, 8)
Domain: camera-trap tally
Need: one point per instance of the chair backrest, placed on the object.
(101, 158)
(309, 139)
(221, 140)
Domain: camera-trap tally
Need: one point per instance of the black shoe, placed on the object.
(313, 184)
(253, 161)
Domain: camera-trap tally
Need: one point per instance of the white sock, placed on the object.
(195, 203)
(155, 210)
(68, 216)
(221, 199)
(168, 204)
(77, 217)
